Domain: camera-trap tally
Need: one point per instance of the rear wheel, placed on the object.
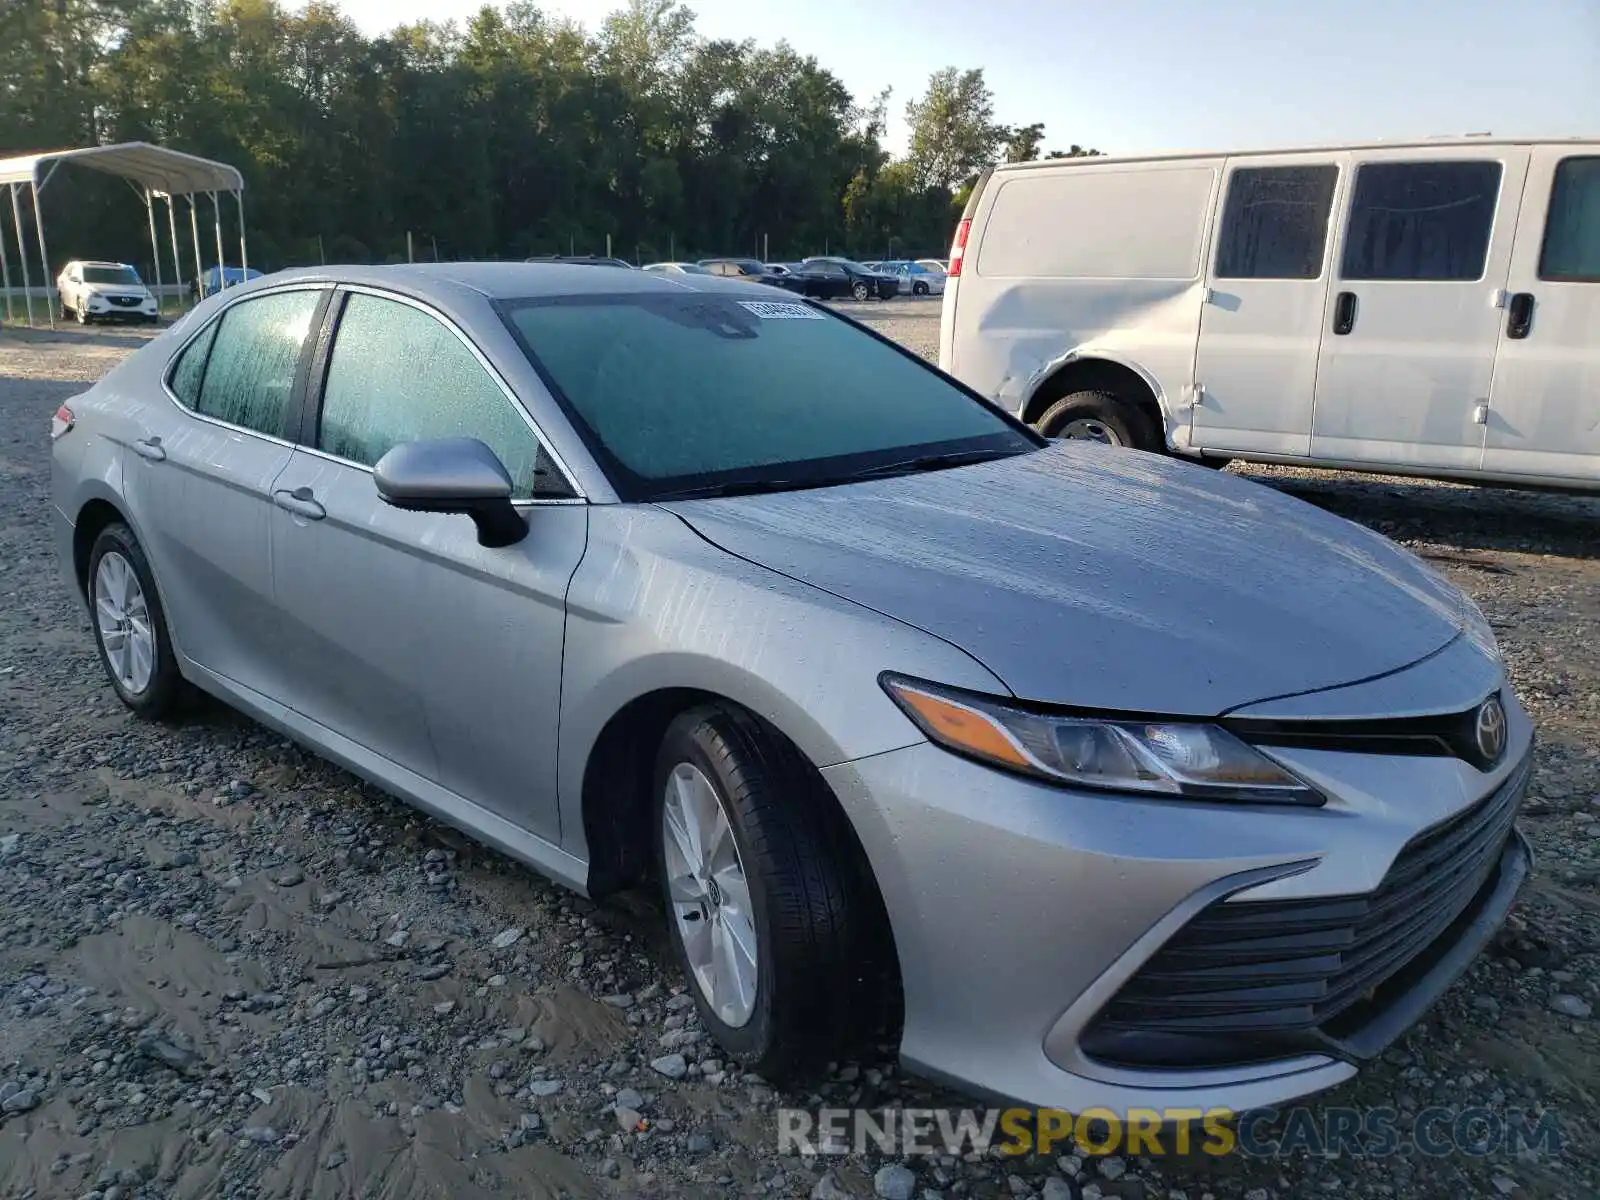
(919, 289)
(768, 909)
(1096, 416)
(130, 627)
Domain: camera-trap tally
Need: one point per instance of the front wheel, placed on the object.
(768, 909)
(1094, 416)
(861, 291)
(130, 627)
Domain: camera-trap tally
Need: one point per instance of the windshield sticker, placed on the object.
(777, 310)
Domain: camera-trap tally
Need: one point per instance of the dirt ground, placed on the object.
(230, 969)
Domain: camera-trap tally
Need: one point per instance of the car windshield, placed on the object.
(699, 394)
(123, 275)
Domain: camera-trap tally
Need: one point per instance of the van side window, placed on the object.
(1571, 251)
(1421, 221)
(1275, 222)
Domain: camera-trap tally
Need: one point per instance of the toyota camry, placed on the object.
(1093, 777)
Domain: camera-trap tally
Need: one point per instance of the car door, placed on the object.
(1407, 360)
(1544, 412)
(1262, 320)
(405, 635)
(201, 474)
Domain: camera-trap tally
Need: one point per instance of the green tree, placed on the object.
(953, 130)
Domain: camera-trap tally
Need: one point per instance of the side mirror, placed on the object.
(452, 475)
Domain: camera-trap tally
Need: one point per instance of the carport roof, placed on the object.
(170, 172)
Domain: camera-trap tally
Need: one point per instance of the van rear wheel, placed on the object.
(1095, 416)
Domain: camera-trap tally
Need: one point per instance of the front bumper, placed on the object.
(1020, 910)
(103, 309)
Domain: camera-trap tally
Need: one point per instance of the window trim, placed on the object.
(297, 398)
(1330, 228)
(1544, 236)
(1350, 208)
(327, 341)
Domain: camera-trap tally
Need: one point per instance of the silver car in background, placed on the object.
(1100, 778)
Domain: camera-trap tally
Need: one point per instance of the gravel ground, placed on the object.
(228, 969)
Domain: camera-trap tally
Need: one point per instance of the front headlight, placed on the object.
(1172, 759)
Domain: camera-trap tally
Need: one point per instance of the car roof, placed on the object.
(96, 262)
(505, 280)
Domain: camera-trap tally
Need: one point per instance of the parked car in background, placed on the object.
(588, 260)
(217, 279)
(865, 283)
(916, 279)
(820, 281)
(104, 291)
(676, 268)
(1428, 308)
(935, 264)
(751, 270)
(860, 671)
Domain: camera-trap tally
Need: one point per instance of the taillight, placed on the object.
(62, 422)
(958, 248)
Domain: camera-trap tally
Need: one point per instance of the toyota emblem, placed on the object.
(1490, 729)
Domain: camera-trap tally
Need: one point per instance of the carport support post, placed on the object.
(5, 274)
(177, 264)
(155, 245)
(22, 253)
(194, 234)
(44, 256)
(244, 260)
(216, 209)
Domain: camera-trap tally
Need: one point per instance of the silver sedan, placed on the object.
(1093, 777)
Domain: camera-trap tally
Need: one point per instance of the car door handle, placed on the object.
(150, 448)
(1519, 315)
(1344, 313)
(302, 502)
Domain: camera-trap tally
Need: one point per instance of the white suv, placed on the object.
(104, 291)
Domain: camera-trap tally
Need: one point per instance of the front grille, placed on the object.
(1255, 980)
(125, 301)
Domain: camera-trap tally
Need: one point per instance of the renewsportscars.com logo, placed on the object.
(1258, 1133)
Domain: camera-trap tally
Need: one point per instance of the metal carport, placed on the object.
(153, 172)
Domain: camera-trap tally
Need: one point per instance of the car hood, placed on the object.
(1107, 578)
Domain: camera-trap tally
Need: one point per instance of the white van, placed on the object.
(1427, 308)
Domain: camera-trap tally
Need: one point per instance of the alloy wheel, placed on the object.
(122, 619)
(709, 895)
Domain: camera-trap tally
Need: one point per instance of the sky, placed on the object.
(1132, 76)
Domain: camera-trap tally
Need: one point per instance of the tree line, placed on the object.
(514, 134)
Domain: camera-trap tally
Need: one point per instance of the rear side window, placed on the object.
(1275, 222)
(398, 375)
(1093, 223)
(1421, 221)
(191, 367)
(249, 375)
(1571, 252)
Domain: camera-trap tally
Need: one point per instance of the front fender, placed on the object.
(653, 607)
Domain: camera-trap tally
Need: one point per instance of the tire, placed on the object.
(861, 291)
(1101, 417)
(820, 983)
(83, 317)
(156, 695)
(919, 289)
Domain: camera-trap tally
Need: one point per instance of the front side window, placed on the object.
(1421, 221)
(1275, 222)
(679, 392)
(1571, 252)
(397, 375)
(249, 373)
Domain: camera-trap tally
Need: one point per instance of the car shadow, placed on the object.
(69, 333)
